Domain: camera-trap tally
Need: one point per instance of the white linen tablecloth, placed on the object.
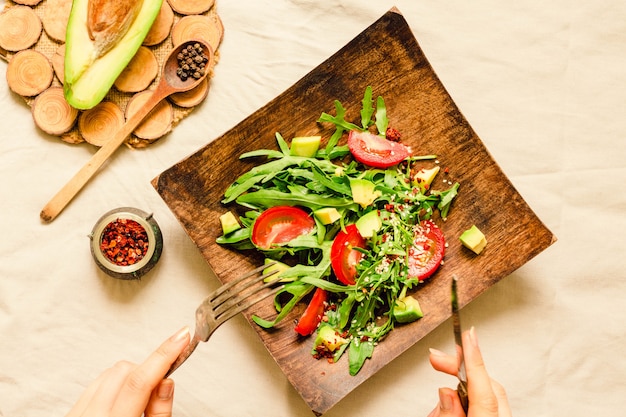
(544, 86)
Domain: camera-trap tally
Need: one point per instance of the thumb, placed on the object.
(449, 404)
(161, 400)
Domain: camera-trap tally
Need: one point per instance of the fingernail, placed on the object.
(445, 401)
(472, 337)
(436, 352)
(180, 335)
(166, 389)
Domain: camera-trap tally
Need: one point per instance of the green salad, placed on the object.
(349, 221)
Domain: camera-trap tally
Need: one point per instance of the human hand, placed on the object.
(487, 398)
(131, 390)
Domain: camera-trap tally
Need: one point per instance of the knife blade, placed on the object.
(456, 323)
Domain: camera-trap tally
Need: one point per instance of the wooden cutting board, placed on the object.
(387, 57)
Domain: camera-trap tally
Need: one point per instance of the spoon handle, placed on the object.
(78, 181)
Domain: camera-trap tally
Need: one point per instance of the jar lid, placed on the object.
(126, 243)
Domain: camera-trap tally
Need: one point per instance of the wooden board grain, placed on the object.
(387, 57)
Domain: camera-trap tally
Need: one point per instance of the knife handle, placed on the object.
(461, 390)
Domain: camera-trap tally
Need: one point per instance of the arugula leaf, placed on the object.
(267, 198)
(339, 120)
(282, 144)
(358, 353)
(446, 199)
(367, 109)
(297, 290)
(381, 116)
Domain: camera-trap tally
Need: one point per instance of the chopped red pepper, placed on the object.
(124, 242)
(313, 313)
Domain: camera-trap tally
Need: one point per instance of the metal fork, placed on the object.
(226, 302)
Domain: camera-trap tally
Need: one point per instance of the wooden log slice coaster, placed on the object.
(52, 113)
(98, 124)
(58, 62)
(29, 73)
(139, 73)
(207, 28)
(193, 97)
(28, 2)
(55, 18)
(157, 123)
(20, 28)
(188, 7)
(161, 27)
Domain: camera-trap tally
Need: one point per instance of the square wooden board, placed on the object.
(386, 56)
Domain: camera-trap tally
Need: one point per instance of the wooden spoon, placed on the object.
(170, 83)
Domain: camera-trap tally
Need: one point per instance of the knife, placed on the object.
(456, 323)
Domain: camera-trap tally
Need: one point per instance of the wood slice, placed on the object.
(58, 62)
(52, 113)
(157, 123)
(161, 27)
(98, 124)
(20, 28)
(188, 7)
(27, 2)
(193, 97)
(55, 18)
(207, 28)
(139, 73)
(29, 73)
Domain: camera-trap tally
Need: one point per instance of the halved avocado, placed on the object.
(90, 69)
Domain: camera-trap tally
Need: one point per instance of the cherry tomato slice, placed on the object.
(313, 313)
(280, 224)
(427, 251)
(343, 258)
(376, 151)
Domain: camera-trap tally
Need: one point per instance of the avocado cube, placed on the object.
(363, 192)
(229, 223)
(305, 146)
(424, 177)
(369, 224)
(407, 309)
(473, 239)
(327, 215)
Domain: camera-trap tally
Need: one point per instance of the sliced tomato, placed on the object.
(376, 151)
(427, 251)
(313, 313)
(280, 224)
(343, 258)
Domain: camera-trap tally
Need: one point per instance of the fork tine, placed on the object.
(223, 288)
(234, 308)
(234, 290)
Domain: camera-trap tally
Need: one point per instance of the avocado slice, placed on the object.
(102, 37)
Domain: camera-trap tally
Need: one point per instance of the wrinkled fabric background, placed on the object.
(544, 86)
